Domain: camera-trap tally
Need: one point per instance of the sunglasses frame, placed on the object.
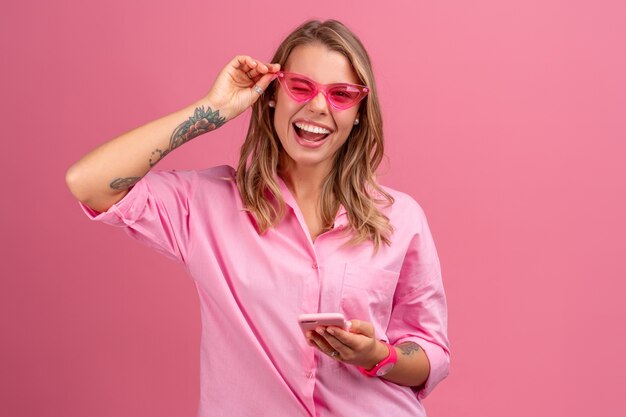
(324, 88)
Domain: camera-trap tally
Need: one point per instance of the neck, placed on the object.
(305, 183)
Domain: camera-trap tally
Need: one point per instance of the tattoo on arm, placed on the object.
(124, 183)
(408, 348)
(202, 121)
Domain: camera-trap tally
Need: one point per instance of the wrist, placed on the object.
(203, 116)
(385, 365)
(215, 103)
(210, 103)
(380, 352)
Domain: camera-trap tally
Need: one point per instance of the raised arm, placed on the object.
(103, 176)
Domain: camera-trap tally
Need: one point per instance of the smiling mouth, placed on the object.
(310, 136)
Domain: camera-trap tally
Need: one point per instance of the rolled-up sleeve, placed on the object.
(155, 212)
(419, 313)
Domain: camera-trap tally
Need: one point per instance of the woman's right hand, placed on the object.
(232, 92)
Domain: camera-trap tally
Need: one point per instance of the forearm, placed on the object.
(412, 367)
(104, 175)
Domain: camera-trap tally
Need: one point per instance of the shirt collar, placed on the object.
(341, 219)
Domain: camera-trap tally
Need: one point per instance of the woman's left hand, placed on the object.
(356, 346)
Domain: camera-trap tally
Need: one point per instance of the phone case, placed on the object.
(311, 321)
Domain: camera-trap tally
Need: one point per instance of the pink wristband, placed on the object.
(383, 367)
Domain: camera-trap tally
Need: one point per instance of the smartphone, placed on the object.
(311, 321)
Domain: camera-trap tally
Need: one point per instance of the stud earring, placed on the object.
(356, 122)
(272, 103)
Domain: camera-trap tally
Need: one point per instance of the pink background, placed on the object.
(505, 120)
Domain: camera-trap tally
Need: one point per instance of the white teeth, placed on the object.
(312, 129)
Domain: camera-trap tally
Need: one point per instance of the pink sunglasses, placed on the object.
(340, 96)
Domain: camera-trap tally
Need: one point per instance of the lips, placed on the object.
(310, 133)
(319, 140)
(309, 136)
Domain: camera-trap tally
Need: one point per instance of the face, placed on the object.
(293, 120)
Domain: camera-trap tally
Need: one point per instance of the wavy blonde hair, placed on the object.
(351, 181)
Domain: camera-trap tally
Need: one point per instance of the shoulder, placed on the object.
(217, 173)
(405, 210)
(220, 177)
(403, 202)
(217, 186)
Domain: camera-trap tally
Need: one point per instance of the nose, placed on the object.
(318, 104)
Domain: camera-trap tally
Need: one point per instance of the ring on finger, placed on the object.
(258, 89)
(334, 354)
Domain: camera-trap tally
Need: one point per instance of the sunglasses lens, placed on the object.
(299, 88)
(344, 96)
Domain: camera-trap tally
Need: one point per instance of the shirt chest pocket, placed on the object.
(367, 294)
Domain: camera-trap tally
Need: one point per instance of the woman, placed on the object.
(301, 226)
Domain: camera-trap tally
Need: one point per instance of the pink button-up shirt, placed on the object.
(254, 359)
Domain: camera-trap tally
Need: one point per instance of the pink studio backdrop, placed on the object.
(505, 120)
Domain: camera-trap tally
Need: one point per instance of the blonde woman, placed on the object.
(301, 226)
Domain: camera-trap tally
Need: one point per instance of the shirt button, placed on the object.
(314, 266)
(309, 375)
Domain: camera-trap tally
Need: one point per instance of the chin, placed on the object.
(305, 161)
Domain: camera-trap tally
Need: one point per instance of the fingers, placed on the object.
(263, 74)
(346, 338)
(252, 67)
(243, 63)
(362, 327)
(329, 344)
(265, 81)
(261, 69)
(346, 343)
(316, 340)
